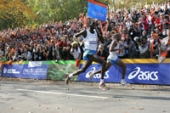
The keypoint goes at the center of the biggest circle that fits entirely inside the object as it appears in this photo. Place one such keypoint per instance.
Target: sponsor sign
(112, 75)
(135, 73)
(39, 72)
(23, 71)
(148, 73)
(11, 70)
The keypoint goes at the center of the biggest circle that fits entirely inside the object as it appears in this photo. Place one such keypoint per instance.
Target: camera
(137, 39)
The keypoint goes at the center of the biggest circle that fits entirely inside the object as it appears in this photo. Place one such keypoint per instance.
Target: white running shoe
(91, 76)
(123, 82)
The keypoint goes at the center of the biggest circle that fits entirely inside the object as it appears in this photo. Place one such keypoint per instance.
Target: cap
(74, 43)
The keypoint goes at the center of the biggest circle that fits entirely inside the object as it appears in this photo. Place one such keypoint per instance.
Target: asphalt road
(25, 96)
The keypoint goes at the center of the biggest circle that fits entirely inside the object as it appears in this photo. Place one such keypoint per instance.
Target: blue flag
(97, 10)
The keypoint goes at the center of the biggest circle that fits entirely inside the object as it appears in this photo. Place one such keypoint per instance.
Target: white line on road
(58, 93)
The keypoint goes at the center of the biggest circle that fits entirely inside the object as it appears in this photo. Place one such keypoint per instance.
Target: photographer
(75, 50)
(143, 46)
(165, 26)
(165, 47)
(154, 44)
(64, 47)
(133, 31)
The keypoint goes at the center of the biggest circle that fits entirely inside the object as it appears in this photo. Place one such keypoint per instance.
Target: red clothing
(157, 21)
(62, 44)
(146, 25)
(153, 20)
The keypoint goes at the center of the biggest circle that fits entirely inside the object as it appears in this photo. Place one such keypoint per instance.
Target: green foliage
(18, 13)
(15, 13)
(128, 4)
(56, 10)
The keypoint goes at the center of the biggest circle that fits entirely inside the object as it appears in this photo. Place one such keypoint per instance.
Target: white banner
(34, 63)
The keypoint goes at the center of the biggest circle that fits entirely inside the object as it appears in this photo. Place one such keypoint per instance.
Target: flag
(97, 10)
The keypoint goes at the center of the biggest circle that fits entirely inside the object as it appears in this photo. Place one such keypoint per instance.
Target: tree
(15, 13)
(58, 10)
(128, 4)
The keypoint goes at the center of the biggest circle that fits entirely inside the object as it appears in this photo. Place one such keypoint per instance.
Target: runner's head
(117, 36)
(92, 24)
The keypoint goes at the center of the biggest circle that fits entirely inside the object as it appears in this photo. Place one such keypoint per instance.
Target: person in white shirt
(75, 50)
(128, 23)
(92, 36)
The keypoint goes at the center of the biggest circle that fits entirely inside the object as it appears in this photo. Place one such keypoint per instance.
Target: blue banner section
(97, 11)
(23, 71)
(112, 75)
(148, 73)
(11, 70)
(136, 73)
(39, 72)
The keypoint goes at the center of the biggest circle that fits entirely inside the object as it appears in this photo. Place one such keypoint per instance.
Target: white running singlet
(91, 41)
(113, 55)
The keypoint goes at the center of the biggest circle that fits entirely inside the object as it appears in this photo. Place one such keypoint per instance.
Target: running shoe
(103, 87)
(91, 76)
(123, 82)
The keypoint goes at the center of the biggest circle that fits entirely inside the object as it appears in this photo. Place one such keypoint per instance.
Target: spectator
(63, 48)
(154, 45)
(75, 50)
(130, 49)
(53, 41)
(143, 46)
(101, 52)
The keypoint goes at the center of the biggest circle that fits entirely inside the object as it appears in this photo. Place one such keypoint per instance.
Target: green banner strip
(63, 62)
(66, 62)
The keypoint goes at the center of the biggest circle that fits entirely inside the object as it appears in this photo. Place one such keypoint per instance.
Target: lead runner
(92, 36)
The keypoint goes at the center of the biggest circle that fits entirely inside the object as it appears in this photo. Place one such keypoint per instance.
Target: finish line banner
(97, 10)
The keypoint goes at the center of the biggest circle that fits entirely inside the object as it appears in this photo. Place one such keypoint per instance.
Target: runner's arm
(100, 36)
(84, 33)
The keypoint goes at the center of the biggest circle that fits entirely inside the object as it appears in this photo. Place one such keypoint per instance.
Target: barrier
(139, 71)
(44, 70)
(25, 71)
(59, 70)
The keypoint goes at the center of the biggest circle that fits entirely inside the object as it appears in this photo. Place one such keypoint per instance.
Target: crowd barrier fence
(139, 71)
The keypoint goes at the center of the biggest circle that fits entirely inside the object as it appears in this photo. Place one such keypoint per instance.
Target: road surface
(33, 96)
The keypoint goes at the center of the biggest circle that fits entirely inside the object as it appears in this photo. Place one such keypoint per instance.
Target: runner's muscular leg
(97, 59)
(108, 65)
(83, 69)
(123, 66)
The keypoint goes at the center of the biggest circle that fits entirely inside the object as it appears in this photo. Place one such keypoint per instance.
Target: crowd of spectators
(145, 34)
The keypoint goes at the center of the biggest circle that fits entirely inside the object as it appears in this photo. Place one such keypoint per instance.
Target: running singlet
(91, 41)
(113, 55)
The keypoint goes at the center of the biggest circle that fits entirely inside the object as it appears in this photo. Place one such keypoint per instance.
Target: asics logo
(143, 75)
(92, 70)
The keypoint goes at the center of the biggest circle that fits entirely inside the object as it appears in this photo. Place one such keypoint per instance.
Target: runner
(92, 36)
(113, 58)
